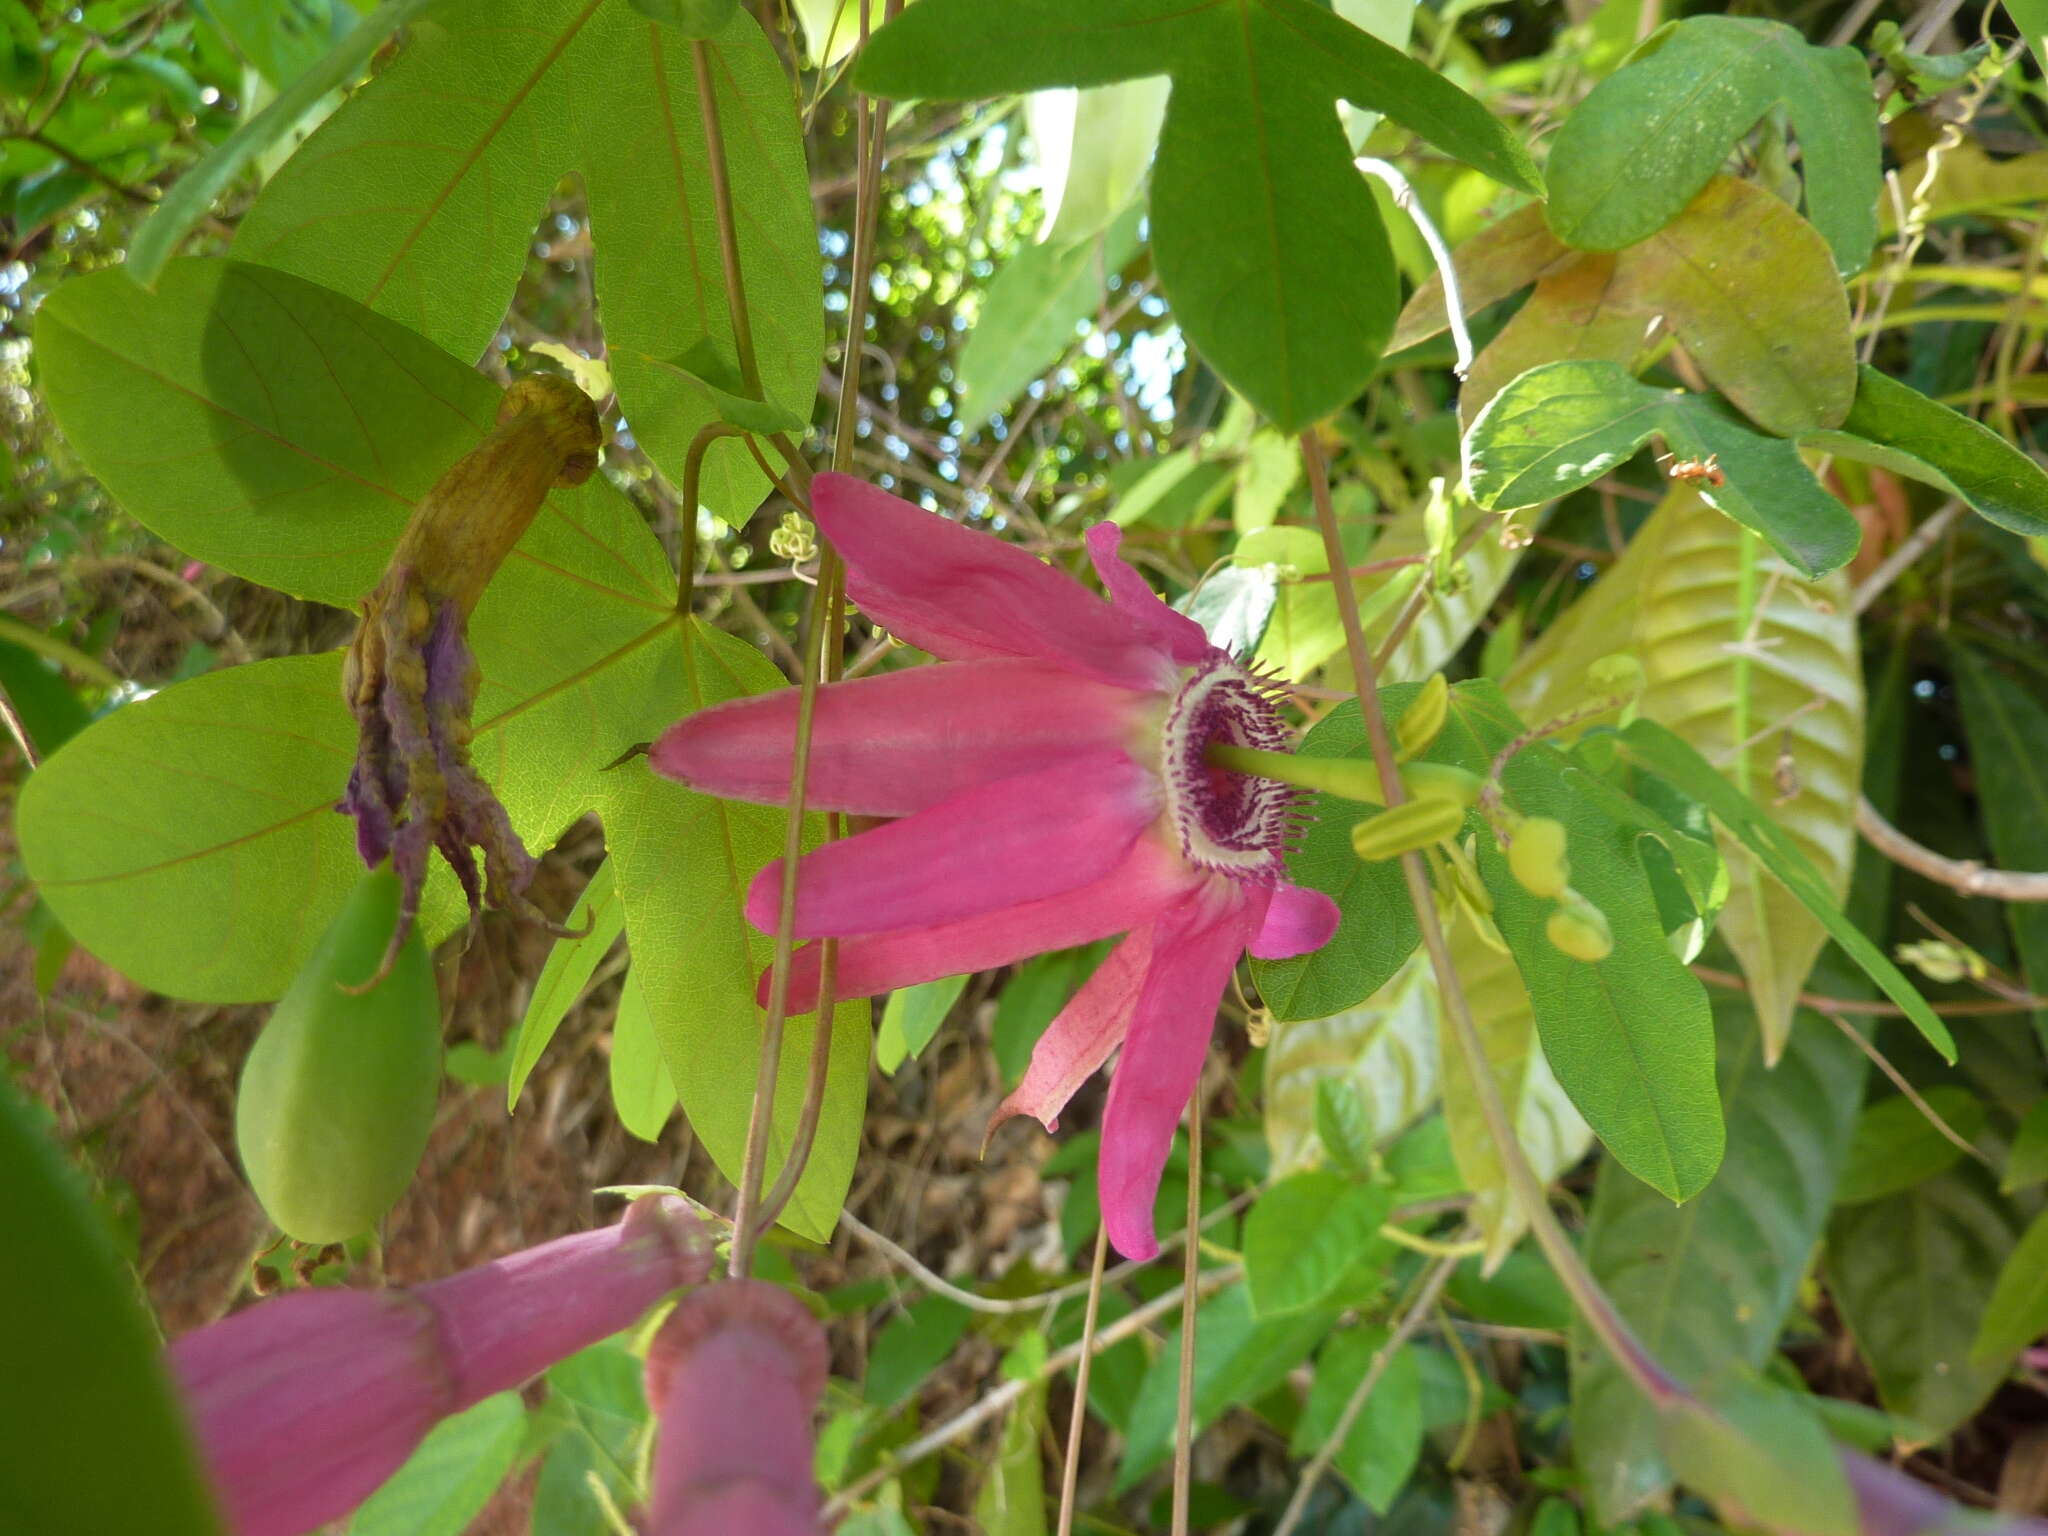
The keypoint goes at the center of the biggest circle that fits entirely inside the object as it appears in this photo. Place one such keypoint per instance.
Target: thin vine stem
(693, 480)
(1184, 1406)
(1077, 1419)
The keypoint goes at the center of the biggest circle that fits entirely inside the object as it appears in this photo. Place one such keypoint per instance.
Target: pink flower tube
(734, 1376)
(304, 1405)
(1050, 789)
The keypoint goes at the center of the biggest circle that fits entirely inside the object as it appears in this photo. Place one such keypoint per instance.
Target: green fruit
(338, 1094)
(1580, 930)
(1442, 781)
(1536, 857)
(1424, 718)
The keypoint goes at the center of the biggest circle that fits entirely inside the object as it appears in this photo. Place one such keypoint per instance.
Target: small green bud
(1442, 781)
(1536, 857)
(1620, 674)
(1406, 827)
(1424, 718)
(1580, 930)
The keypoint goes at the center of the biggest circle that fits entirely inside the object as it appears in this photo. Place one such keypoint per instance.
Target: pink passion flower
(1047, 787)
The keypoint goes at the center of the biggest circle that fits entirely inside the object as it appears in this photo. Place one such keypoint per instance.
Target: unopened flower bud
(1406, 827)
(304, 1404)
(1579, 929)
(1536, 857)
(1424, 719)
(1442, 781)
(734, 1377)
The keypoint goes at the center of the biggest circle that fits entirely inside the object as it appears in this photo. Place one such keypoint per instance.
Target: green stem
(728, 229)
(693, 477)
(62, 652)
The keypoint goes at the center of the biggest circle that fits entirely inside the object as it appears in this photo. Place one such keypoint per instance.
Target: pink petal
(505, 1322)
(989, 847)
(734, 1375)
(1298, 921)
(1194, 949)
(1150, 879)
(1175, 633)
(961, 594)
(894, 744)
(1079, 1041)
(304, 1404)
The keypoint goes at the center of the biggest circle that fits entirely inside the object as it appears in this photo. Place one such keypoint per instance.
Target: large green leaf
(1647, 139)
(440, 168)
(1031, 311)
(1384, 1050)
(1629, 1036)
(1894, 425)
(1748, 668)
(1913, 1276)
(1560, 427)
(1747, 287)
(1306, 1234)
(85, 1378)
(643, 1097)
(699, 974)
(1571, 314)
(1709, 1284)
(1254, 200)
(2008, 730)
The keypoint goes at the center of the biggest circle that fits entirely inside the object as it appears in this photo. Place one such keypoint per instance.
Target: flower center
(1233, 823)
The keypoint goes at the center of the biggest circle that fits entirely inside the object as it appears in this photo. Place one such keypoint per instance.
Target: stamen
(1231, 822)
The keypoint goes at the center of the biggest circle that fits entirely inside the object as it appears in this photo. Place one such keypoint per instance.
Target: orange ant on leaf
(1706, 471)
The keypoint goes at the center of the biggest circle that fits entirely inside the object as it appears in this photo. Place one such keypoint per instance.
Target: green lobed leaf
(1238, 1358)
(442, 165)
(1306, 1234)
(1913, 1275)
(1253, 192)
(1896, 1146)
(1343, 1124)
(1560, 427)
(2017, 1313)
(1650, 136)
(1031, 312)
(285, 434)
(1895, 426)
(305, 81)
(446, 1482)
(1709, 1284)
(84, 1370)
(1385, 1441)
(567, 971)
(1754, 673)
(643, 1097)
(684, 863)
(1674, 759)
